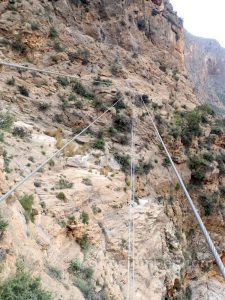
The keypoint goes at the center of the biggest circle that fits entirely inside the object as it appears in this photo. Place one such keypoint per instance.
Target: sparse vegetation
(87, 181)
(144, 167)
(166, 162)
(53, 34)
(122, 123)
(95, 209)
(84, 242)
(23, 90)
(22, 286)
(43, 106)
(27, 201)
(84, 217)
(55, 272)
(18, 45)
(123, 160)
(20, 132)
(11, 81)
(2, 137)
(64, 184)
(82, 54)
(7, 160)
(63, 81)
(6, 121)
(208, 202)
(120, 104)
(78, 105)
(99, 81)
(35, 26)
(81, 90)
(58, 47)
(116, 68)
(199, 166)
(61, 196)
(3, 225)
(99, 144)
(83, 277)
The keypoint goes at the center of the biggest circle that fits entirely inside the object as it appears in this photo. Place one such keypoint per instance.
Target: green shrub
(11, 81)
(175, 131)
(63, 81)
(99, 144)
(206, 109)
(166, 162)
(208, 156)
(27, 201)
(58, 47)
(23, 90)
(99, 81)
(120, 104)
(7, 160)
(199, 166)
(116, 68)
(61, 196)
(22, 286)
(84, 242)
(42, 106)
(79, 104)
(208, 203)
(18, 45)
(64, 184)
(85, 287)
(83, 277)
(81, 90)
(35, 26)
(98, 104)
(84, 217)
(122, 123)
(72, 97)
(87, 181)
(20, 132)
(222, 190)
(123, 160)
(58, 118)
(55, 272)
(3, 225)
(95, 209)
(82, 54)
(144, 168)
(217, 131)
(2, 137)
(6, 121)
(53, 34)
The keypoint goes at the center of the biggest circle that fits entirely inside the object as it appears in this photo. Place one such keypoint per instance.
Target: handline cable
(197, 216)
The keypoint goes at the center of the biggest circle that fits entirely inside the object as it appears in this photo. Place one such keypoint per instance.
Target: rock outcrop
(206, 69)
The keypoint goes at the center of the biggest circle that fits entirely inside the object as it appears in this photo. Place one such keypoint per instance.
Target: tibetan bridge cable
(21, 67)
(131, 231)
(194, 210)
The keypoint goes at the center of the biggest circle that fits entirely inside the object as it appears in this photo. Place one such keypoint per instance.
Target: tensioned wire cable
(16, 186)
(194, 210)
(131, 237)
(21, 67)
(133, 203)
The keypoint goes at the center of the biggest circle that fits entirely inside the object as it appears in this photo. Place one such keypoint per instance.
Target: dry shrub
(69, 150)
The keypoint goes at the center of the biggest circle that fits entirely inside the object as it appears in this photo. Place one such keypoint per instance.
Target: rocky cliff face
(69, 224)
(205, 60)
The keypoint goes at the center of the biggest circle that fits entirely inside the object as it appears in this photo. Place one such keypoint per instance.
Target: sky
(204, 18)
